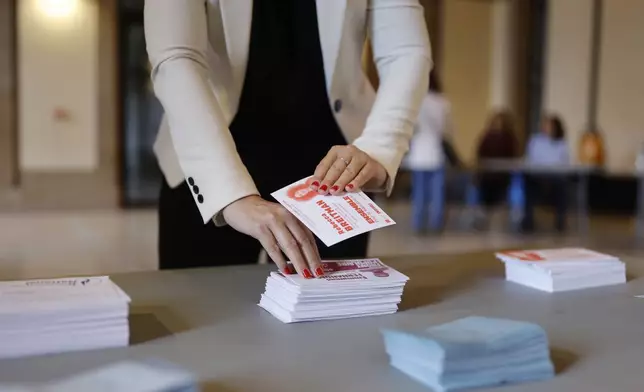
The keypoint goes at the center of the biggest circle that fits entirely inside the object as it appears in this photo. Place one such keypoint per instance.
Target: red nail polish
(319, 271)
(315, 184)
(323, 188)
(307, 274)
(350, 186)
(335, 188)
(290, 270)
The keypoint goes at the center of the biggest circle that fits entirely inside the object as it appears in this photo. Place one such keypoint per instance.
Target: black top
(284, 124)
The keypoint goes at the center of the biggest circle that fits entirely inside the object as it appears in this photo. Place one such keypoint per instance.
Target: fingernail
(350, 186)
(290, 270)
(315, 184)
(323, 188)
(307, 274)
(319, 271)
(335, 188)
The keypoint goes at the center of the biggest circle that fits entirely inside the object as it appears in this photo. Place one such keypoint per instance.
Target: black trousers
(185, 242)
(493, 188)
(551, 189)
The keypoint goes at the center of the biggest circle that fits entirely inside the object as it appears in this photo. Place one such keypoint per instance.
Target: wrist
(379, 181)
(382, 177)
(221, 216)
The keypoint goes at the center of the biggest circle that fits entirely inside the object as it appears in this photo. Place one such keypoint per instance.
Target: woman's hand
(347, 169)
(278, 231)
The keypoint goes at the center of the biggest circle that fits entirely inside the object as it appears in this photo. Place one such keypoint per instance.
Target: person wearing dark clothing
(497, 142)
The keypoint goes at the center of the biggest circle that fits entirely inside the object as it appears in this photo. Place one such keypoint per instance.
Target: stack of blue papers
(472, 352)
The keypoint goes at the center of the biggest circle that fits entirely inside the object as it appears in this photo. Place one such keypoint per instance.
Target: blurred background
(79, 182)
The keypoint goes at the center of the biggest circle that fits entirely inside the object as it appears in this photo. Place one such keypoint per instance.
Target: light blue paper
(472, 352)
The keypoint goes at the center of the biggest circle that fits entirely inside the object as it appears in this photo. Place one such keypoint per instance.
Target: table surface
(207, 320)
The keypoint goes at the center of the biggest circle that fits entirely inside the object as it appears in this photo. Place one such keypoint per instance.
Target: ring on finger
(345, 160)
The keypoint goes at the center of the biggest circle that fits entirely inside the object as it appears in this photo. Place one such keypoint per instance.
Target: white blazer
(434, 122)
(199, 49)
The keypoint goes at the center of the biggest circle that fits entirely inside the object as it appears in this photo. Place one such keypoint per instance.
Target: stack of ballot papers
(352, 288)
(57, 315)
(566, 269)
(473, 352)
(127, 376)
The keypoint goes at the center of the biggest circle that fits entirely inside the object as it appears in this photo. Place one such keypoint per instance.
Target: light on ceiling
(58, 8)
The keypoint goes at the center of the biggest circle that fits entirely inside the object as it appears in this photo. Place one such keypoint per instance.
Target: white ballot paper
(351, 288)
(56, 315)
(332, 219)
(554, 270)
(48, 294)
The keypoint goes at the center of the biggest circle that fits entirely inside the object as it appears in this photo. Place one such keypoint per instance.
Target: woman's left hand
(347, 169)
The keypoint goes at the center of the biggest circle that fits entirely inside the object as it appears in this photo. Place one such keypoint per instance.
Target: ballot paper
(350, 288)
(332, 218)
(56, 315)
(564, 269)
(472, 352)
(130, 376)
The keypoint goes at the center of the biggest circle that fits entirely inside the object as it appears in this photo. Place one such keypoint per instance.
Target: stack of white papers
(352, 288)
(473, 352)
(57, 315)
(562, 269)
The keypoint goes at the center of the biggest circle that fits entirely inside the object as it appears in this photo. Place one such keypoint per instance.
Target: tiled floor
(41, 244)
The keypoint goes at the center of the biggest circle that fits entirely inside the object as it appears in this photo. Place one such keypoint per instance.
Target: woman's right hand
(278, 231)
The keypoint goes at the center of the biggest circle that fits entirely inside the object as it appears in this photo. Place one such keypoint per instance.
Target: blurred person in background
(548, 147)
(498, 141)
(260, 94)
(426, 159)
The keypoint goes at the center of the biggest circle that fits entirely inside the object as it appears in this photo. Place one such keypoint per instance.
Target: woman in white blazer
(426, 159)
(259, 94)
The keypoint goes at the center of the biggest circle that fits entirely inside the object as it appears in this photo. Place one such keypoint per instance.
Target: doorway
(141, 111)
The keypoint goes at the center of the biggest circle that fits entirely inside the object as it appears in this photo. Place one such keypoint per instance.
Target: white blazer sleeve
(177, 40)
(402, 56)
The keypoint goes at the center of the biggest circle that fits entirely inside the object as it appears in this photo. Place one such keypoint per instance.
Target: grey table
(207, 321)
(581, 172)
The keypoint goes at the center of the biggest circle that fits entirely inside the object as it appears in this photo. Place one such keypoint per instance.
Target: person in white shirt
(426, 159)
(259, 94)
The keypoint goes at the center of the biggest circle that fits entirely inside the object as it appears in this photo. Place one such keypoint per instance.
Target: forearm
(402, 56)
(390, 126)
(176, 34)
(204, 146)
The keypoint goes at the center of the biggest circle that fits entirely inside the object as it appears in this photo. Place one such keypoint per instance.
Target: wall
(621, 82)
(58, 68)
(7, 94)
(502, 72)
(466, 68)
(567, 70)
(68, 63)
